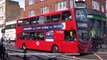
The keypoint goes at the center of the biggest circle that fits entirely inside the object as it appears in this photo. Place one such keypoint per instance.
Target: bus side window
(33, 20)
(56, 18)
(32, 35)
(41, 19)
(70, 35)
(66, 15)
(20, 22)
(48, 19)
(40, 35)
(25, 22)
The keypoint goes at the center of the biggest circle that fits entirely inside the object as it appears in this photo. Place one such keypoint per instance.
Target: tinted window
(56, 18)
(70, 35)
(81, 15)
(25, 36)
(48, 19)
(25, 22)
(66, 16)
(82, 26)
(32, 35)
(40, 35)
(33, 20)
(20, 23)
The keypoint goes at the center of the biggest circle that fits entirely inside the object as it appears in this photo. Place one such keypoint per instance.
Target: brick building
(95, 9)
(9, 10)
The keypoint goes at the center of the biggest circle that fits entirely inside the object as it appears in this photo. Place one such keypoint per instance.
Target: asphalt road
(100, 55)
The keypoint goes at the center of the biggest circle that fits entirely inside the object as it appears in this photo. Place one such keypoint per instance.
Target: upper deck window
(25, 22)
(41, 19)
(48, 19)
(33, 20)
(20, 22)
(81, 15)
(56, 18)
(66, 15)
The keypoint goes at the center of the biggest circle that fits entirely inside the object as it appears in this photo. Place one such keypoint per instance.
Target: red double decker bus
(61, 31)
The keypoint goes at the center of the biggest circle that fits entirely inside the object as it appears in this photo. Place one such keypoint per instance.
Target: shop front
(97, 22)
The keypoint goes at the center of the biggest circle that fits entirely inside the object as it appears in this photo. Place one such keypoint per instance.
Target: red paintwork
(68, 47)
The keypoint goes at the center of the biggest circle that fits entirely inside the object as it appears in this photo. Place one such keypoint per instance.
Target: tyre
(24, 46)
(55, 49)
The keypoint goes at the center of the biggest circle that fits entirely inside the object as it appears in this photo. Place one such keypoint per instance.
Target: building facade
(95, 10)
(9, 10)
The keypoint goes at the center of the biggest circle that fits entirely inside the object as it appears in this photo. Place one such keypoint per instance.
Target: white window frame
(77, 1)
(42, 0)
(32, 13)
(102, 8)
(61, 6)
(44, 9)
(106, 4)
(95, 5)
(31, 2)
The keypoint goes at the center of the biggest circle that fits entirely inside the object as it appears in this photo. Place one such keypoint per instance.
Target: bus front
(84, 36)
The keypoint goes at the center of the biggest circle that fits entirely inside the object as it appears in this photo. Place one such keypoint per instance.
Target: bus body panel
(58, 33)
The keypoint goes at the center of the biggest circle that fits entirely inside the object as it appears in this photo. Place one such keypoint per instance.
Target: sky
(21, 2)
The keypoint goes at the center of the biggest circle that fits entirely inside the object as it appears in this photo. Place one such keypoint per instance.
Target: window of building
(71, 3)
(66, 15)
(42, 0)
(31, 2)
(1, 9)
(60, 6)
(1, 18)
(32, 35)
(40, 35)
(106, 4)
(31, 13)
(56, 18)
(33, 20)
(41, 19)
(45, 9)
(102, 8)
(95, 5)
(80, 3)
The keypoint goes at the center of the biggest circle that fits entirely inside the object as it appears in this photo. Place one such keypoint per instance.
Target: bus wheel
(24, 46)
(55, 49)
